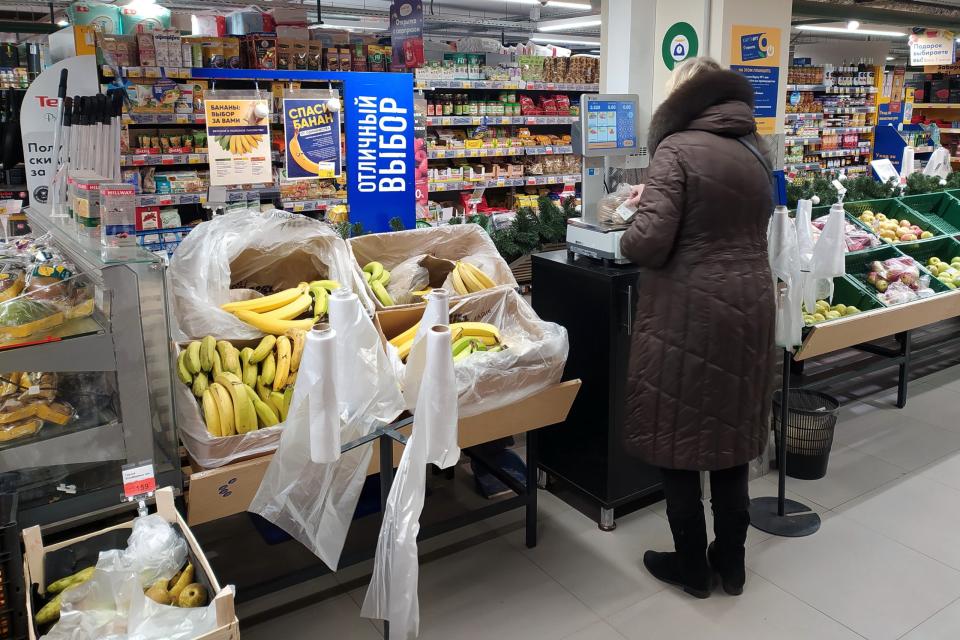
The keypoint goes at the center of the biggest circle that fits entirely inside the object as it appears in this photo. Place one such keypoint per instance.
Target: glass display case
(85, 373)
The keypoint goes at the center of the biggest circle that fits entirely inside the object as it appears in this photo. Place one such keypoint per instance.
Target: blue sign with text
(766, 88)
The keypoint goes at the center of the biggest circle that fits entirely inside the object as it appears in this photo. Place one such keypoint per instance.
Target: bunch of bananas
(246, 389)
(378, 278)
(276, 314)
(238, 145)
(467, 278)
(465, 338)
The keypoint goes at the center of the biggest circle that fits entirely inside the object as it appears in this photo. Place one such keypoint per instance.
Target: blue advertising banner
(379, 121)
(312, 133)
(766, 88)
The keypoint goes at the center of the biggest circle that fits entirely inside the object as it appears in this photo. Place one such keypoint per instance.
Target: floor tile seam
(936, 613)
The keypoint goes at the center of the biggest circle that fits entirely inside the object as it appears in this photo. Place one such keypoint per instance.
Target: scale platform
(596, 240)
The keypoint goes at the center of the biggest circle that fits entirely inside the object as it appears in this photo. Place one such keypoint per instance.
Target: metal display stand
(127, 335)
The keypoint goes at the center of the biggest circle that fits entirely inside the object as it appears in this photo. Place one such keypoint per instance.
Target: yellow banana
(485, 281)
(217, 365)
(193, 357)
(249, 369)
(458, 284)
(287, 397)
(299, 157)
(200, 384)
(224, 408)
(208, 347)
(375, 269)
(276, 401)
(227, 356)
(469, 281)
(403, 350)
(291, 379)
(244, 413)
(321, 301)
(265, 414)
(266, 303)
(182, 372)
(283, 363)
(381, 293)
(329, 285)
(263, 390)
(268, 370)
(273, 326)
(405, 336)
(292, 310)
(478, 329)
(263, 349)
(234, 145)
(299, 338)
(211, 414)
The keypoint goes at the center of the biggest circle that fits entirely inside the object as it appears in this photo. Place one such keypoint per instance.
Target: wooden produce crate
(228, 627)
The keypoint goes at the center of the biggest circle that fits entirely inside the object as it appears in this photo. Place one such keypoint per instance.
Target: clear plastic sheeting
(827, 261)
(314, 502)
(467, 242)
(315, 395)
(534, 357)
(112, 605)
(392, 594)
(784, 257)
(247, 249)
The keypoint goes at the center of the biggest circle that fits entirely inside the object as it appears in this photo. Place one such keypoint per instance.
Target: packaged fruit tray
(879, 216)
(848, 299)
(941, 257)
(858, 266)
(855, 234)
(942, 209)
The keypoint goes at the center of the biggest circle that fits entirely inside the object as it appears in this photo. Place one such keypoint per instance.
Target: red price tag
(138, 480)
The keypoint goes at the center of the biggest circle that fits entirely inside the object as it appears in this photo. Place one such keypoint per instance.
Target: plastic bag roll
(804, 233)
(314, 403)
(437, 312)
(827, 261)
(784, 259)
(315, 502)
(392, 594)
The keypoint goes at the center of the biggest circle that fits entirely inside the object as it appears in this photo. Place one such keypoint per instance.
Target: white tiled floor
(884, 565)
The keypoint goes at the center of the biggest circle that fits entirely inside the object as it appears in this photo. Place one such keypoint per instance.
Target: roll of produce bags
(224, 259)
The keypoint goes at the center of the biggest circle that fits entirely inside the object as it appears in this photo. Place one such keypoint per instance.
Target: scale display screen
(611, 124)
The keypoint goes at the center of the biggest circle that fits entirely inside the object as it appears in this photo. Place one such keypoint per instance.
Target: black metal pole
(782, 443)
(905, 348)
(386, 480)
(531, 512)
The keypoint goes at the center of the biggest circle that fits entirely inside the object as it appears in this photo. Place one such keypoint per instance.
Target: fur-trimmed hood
(720, 102)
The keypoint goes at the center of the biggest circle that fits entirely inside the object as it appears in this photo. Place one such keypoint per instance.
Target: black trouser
(728, 491)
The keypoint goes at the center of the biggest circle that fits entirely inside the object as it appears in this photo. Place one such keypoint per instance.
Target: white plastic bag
(784, 259)
(275, 249)
(437, 312)
(827, 261)
(805, 241)
(313, 407)
(112, 605)
(313, 502)
(938, 164)
(534, 359)
(392, 594)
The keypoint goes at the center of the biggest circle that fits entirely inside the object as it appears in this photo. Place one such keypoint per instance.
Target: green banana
(193, 357)
(268, 369)
(461, 344)
(70, 581)
(276, 401)
(200, 384)
(217, 367)
(384, 278)
(287, 397)
(263, 389)
(375, 269)
(381, 293)
(182, 372)
(265, 413)
(265, 347)
(249, 369)
(329, 285)
(208, 347)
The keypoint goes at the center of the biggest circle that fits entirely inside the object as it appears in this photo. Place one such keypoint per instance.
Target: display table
(595, 304)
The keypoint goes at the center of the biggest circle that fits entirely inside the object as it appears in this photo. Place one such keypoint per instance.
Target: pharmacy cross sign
(679, 43)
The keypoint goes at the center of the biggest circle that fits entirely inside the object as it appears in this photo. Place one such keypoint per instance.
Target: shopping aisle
(885, 564)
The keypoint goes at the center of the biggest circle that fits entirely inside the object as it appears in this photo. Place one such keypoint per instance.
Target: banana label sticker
(311, 128)
(238, 141)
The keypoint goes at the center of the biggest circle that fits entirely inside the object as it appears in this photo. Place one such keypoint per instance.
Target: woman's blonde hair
(688, 69)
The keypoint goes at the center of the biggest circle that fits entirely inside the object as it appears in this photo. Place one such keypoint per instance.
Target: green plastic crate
(858, 265)
(942, 209)
(944, 248)
(892, 208)
(846, 291)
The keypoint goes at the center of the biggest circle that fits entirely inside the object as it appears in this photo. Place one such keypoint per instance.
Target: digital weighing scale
(607, 136)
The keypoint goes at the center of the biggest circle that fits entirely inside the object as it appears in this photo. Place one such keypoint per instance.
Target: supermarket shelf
(848, 110)
(55, 445)
(801, 139)
(77, 345)
(833, 89)
(173, 199)
(505, 84)
(175, 118)
(924, 149)
(840, 153)
(446, 121)
(312, 205)
(850, 129)
(803, 166)
(806, 87)
(148, 72)
(150, 159)
(522, 181)
(439, 154)
(935, 105)
(815, 115)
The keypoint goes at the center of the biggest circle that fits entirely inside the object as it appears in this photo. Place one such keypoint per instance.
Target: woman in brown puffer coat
(699, 375)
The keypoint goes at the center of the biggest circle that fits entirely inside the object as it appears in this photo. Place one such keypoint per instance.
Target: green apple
(841, 308)
(956, 259)
(833, 315)
(933, 260)
(924, 235)
(851, 310)
(949, 285)
(808, 320)
(819, 317)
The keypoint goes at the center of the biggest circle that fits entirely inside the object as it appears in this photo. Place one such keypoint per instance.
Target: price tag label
(195, 158)
(298, 207)
(138, 480)
(151, 72)
(138, 161)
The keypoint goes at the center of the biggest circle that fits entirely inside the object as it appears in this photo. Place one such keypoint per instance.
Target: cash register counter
(585, 454)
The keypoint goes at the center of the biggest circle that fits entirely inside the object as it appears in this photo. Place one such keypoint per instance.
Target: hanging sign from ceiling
(932, 46)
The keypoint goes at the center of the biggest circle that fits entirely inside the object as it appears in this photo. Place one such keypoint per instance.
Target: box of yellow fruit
(848, 300)
(892, 221)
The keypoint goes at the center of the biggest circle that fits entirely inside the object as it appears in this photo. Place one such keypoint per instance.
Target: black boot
(686, 568)
(726, 553)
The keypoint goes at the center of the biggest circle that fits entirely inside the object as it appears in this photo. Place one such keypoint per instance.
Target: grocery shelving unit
(63, 474)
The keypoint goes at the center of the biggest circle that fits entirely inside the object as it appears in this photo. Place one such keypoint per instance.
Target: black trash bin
(811, 419)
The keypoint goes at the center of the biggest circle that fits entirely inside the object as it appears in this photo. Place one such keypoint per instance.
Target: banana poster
(238, 140)
(312, 133)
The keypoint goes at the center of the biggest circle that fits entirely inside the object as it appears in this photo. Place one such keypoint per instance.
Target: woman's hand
(634, 200)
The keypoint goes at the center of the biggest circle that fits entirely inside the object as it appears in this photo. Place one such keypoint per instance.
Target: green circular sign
(679, 43)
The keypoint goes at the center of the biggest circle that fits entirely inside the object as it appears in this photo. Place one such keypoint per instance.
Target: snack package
(609, 206)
